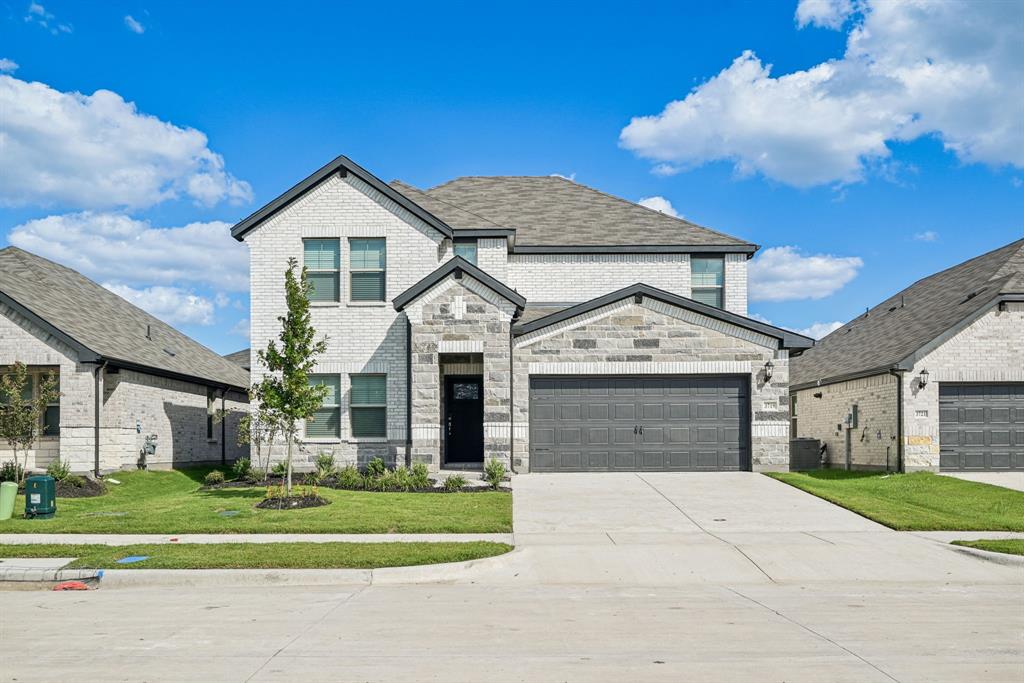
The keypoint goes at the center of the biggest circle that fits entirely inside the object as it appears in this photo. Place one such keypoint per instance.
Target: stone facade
(134, 405)
(653, 338)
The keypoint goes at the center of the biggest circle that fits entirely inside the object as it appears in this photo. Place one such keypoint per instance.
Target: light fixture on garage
(922, 379)
(769, 368)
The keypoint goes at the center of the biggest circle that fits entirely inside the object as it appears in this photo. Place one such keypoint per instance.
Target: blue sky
(865, 158)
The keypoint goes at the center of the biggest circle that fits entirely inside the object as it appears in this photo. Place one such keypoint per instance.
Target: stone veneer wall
(874, 442)
(626, 338)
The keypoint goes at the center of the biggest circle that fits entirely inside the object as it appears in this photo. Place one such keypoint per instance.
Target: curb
(989, 556)
(182, 539)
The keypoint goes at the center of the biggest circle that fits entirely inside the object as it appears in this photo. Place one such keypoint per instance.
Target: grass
(921, 501)
(170, 502)
(1010, 546)
(262, 555)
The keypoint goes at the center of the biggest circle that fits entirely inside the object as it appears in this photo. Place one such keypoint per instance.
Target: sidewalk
(134, 539)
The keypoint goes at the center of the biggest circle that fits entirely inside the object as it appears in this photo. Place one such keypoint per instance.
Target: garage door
(602, 424)
(981, 426)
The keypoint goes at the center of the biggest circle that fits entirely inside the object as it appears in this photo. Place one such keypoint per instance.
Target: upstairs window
(368, 269)
(466, 249)
(322, 259)
(211, 409)
(326, 420)
(368, 405)
(707, 280)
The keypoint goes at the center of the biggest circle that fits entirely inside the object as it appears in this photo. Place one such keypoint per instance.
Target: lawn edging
(987, 555)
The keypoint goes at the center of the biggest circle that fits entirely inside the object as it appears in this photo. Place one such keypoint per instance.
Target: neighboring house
(150, 378)
(930, 379)
(542, 323)
(240, 357)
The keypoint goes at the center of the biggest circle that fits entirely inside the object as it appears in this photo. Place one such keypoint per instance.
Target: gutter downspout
(98, 405)
(511, 400)
(408, 392)
(223, 427)
(898, 374)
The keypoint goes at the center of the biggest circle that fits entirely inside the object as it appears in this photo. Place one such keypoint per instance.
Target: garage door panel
(981, 426)
(591, 423)
(1000, 460)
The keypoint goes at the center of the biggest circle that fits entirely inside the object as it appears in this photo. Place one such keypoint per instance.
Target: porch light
(922, 379)
(769, 368)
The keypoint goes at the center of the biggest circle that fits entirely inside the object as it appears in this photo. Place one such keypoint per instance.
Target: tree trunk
(288, 465)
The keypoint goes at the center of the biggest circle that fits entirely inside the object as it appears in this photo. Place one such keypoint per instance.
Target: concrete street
(717, 577)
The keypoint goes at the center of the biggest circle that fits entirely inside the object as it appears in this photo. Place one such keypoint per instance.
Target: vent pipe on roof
(149, 332)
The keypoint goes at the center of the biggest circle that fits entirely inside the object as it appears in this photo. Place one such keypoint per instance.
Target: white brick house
(930, 379)
(150, 379)
(529, 319)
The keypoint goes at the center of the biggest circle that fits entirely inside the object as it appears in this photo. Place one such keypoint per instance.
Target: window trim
(334, 406)
(383, 270)
(463, 241)
(351, 405)
(336, 271)
(35, 375)
(720, 288)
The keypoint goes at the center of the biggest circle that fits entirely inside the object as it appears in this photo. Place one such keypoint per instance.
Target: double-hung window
(367, 269)
(368, 405)
(707, 279)
(792, 417)
(322, 259)
(211, 409)
(466, 249)
(326, 420)
(50, 419)
(51, 416)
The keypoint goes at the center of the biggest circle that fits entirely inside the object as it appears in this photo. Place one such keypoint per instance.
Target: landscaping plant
(376, 468)
(325, 465)
(419, 476)
(494, 472)
(11, 471)
(285, 389)
(256, 475)
(214, 478)
(58, 469)
(241, 469)
(21, 419)
(454, 483)
(349, 477)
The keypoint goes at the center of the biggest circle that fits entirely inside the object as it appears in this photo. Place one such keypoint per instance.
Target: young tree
(21, 416)
(258, 427)
(285, 390)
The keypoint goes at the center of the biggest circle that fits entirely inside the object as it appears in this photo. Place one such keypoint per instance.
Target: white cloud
(911, 69)
(926, 236)
(241, 328)
(783, 274)
(112, 247)
(824, 13)
(98, 151)
(819, 330)
(133, 25)
(37, 14)
(8, 66)
(659, 204)
(170, 304)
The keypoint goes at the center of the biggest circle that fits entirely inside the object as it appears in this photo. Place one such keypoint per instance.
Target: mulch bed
(89, 489)
(292, 503)
(332, 484)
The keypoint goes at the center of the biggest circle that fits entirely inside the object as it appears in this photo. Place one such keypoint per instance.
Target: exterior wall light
(769, 368)
(922, 379)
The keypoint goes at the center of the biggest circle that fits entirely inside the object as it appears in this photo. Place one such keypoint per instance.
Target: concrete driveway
(1009, 480)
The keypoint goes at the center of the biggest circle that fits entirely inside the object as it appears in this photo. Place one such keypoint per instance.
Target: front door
(464, 419)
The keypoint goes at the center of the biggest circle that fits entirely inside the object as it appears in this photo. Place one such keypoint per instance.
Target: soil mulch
(89, 489)
(292, 503)
(333, 484)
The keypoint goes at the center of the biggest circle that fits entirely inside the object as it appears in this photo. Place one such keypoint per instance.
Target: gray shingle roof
(106, 324)
(897, 328)
(554, 211)
(240, 358)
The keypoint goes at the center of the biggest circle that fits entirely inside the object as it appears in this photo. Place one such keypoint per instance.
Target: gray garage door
(981, 426)
(601, 424)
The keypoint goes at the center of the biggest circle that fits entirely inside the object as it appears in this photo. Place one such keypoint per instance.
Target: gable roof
(550, 213)
(239, 358)
(787, 339)
(102, 326)
(458, 266)
(340, 164)
(891, 334)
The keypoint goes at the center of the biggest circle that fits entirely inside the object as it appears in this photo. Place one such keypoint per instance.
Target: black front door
(464, 419)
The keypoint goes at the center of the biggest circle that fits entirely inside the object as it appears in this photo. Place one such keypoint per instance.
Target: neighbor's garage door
(981, 426)
(601, 424)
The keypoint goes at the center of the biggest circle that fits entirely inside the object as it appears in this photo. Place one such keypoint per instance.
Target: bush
(241, 468)
(349, 477)
(255, 475)
(401, 480)
(11, 471)
(454, 483)
(419, 477)
(214, 478)
(325, 465)
(58, 469)
(494, 472)
(73, 480)
(280, 469)
(376, 468)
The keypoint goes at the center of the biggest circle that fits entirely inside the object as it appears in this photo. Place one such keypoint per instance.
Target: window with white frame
(707, 280)
(322, 259)
(368, 406)
(326, 420)
(367, 269)
(466, 249)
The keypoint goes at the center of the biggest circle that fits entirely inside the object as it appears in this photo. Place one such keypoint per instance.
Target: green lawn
(171, 503)
(262, 555)
(921, 501)
(1010, 546)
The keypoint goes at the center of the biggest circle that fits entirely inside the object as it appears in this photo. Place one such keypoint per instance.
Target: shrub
(384, 482)
(11, 471)
(275, 492)
(214, 478)
(325, 465)
(241, 468)
(349, 477)
(419, 477)
(401, 480)
(58, 469)
(454, 483)
(73, 480)
(376, 468)
(314, 478)
(256, 474)
(494, 472)
(280, 469)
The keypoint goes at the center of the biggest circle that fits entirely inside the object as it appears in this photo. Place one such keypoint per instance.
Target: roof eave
(85, 354)
(748, 249)
(455, 266)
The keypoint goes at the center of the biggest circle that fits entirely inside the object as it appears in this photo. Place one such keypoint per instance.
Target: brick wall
(579, 277)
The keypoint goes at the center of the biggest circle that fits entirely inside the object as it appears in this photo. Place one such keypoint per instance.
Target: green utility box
(40, 497)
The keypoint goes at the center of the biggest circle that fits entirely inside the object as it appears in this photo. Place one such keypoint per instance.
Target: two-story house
(529, 319)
